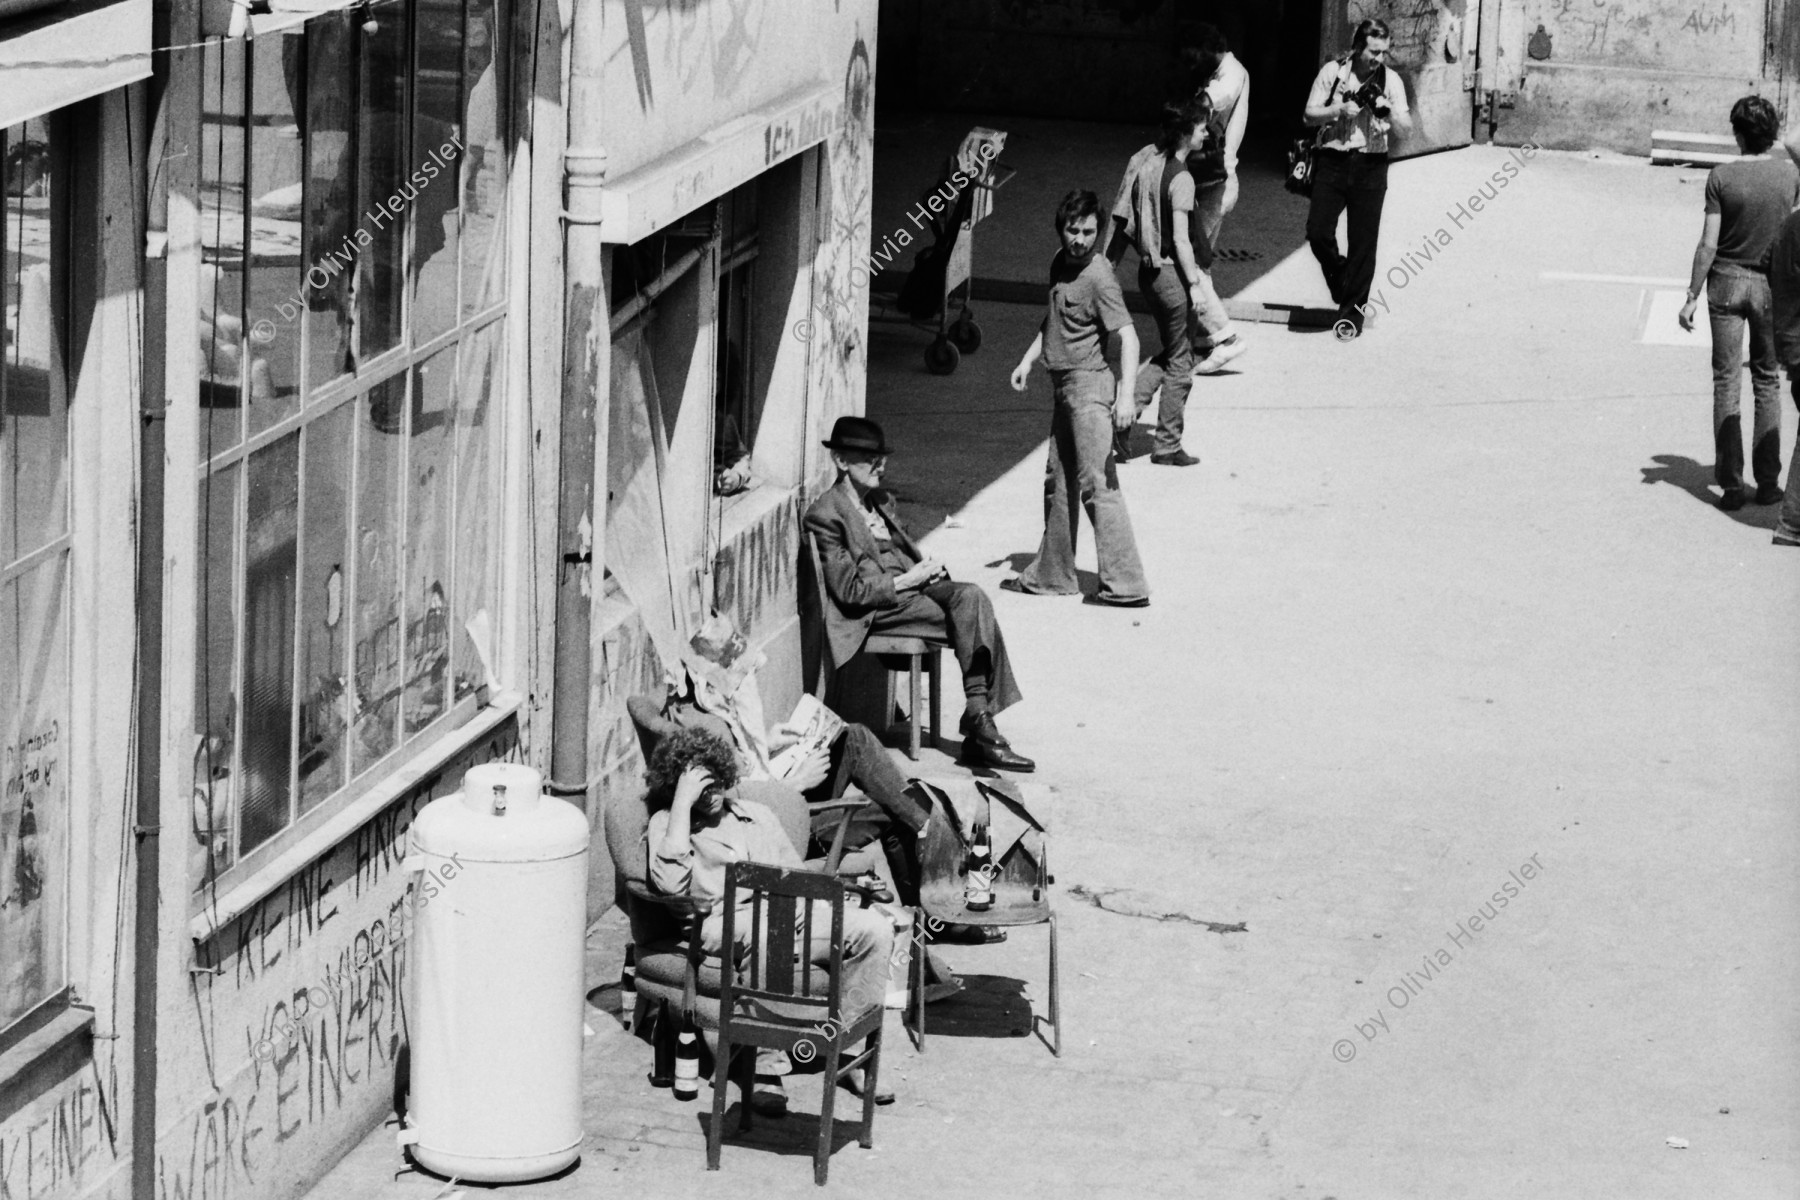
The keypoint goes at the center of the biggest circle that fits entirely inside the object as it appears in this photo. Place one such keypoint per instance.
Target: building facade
(287, 316)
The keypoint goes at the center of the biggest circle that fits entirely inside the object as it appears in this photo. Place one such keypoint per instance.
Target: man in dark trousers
(1360, 104)
(1087, 316)
(879, 582)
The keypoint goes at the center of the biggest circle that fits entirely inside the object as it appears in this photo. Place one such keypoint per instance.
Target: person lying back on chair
(698, 826)
(819, 755)
(879, 582)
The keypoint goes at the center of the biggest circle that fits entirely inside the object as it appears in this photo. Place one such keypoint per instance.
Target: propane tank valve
(499, 799)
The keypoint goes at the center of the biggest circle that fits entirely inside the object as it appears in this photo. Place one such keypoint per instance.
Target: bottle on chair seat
(978, 889)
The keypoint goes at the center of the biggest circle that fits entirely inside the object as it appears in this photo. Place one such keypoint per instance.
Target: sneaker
(1221, 354)
(1732, 500)
(1782, 539)
(1768, 493)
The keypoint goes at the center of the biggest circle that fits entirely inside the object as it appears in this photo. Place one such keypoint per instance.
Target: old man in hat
(880, 582)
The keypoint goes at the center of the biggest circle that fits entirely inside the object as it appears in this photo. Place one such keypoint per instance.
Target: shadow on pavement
(989, 1006)
(1697, 481)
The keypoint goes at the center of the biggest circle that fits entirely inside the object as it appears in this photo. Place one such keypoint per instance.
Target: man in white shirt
(1360, 104)
(1225, 82)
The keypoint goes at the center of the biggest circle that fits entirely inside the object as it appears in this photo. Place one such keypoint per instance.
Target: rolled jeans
(1080, 464)
(1787, 524)
(1736, 296)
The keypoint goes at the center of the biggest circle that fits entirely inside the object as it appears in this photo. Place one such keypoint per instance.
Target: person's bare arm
(1234, 132)
(1033, 352)
(672, 855)
(1704, 254)
(1185, 261)
(1792, 143)
(1122, 349)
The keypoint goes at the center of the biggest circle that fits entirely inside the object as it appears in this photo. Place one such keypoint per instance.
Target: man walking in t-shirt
(1746, 203)
(1087, 317)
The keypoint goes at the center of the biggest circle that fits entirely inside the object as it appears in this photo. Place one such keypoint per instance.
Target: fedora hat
(857, 433)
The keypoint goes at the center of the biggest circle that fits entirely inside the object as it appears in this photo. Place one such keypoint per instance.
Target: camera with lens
(1372, 95)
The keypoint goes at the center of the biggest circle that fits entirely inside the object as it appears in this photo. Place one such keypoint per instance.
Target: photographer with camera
(1358, 102)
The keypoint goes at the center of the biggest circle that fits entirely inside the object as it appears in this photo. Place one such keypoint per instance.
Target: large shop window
(352, 322)
(35, 856)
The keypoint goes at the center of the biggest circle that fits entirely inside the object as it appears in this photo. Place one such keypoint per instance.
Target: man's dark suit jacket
(858, 584)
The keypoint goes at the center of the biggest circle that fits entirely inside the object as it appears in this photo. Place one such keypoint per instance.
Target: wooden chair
(772, 1001)
(671, 965)
(889, 651)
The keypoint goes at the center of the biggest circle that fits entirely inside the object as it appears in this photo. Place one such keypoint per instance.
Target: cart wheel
(966, 335)
(942, 356)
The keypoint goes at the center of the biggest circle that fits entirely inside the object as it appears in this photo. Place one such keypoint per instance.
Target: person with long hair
(1153, 212)
(1217, 74)
(1361, 105)
(1087, 323)
(1746, 203)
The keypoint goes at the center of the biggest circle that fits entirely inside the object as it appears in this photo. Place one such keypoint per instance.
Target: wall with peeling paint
(1606, 73)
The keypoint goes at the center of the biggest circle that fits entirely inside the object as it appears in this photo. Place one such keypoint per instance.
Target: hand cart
(943, 271)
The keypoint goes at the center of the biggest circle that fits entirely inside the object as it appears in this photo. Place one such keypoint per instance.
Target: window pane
(222, 246)
(33, 397)
(437, 132)
(324, 635)
(34, 799)
(215, 721)
(273, 305)
(483, 171)
(271, 517)
(476, 499)
(330, 197)
(376, 618)
(428, 472)
(380, 171)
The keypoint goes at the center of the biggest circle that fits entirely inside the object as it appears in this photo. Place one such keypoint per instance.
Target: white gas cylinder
(495, 962)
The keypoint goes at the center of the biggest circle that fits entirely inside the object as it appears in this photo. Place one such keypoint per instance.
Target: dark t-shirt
(1784, 286)
(1753, 197)
(1085, 305)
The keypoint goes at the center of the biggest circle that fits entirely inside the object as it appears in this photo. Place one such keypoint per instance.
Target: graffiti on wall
(300, 1016)
(701, 41)
(756, 576)
(838, 299)
(1425, 31)
(62, 1139)
(1679, 34)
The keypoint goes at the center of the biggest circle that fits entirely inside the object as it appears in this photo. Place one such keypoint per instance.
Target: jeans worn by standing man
(1746, 203)
(1360, 104)
(1087, 317)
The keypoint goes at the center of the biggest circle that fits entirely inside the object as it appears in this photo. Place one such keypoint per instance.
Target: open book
(818, 727)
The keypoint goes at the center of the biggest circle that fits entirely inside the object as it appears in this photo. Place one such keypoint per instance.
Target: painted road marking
(1634, 280)
(1661, 328)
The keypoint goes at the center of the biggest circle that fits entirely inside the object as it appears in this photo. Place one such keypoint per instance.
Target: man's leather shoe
(1000, 758)
(1176, 458)
(1768, 493)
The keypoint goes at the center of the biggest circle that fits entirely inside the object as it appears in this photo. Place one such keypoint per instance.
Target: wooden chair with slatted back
(775, 999)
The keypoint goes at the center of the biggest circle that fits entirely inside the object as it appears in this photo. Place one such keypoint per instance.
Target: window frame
(64, 156)
(476, 334)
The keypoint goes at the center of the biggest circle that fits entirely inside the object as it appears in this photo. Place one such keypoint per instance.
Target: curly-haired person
(699, 825)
